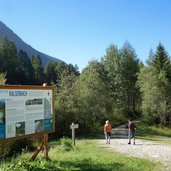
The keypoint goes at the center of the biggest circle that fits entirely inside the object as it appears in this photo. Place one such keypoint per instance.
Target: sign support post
(45, 144)
(73, 127)
(73, 136)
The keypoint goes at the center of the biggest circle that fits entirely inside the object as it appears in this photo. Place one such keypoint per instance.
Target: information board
(26, 110)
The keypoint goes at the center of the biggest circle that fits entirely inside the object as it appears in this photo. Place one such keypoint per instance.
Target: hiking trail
(152, 150)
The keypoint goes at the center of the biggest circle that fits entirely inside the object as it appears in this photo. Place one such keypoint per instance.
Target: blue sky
(77, 31)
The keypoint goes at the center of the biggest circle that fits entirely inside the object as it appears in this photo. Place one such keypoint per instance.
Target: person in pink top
(107, 131)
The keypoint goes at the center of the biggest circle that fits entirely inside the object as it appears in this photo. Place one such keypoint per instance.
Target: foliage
(66, 144)
(104, 90)
(25, 69)
(113, 88)
(50, 73)
(8, 60)
(122, 67)
(54, 70)
(112, 62)
(129, 71)
(19, 69)
(156, 94)
(65, 104)
(38, 69)
(16, 147)
(93, 99)
(154, 132)
(3, 78)
(161, 61)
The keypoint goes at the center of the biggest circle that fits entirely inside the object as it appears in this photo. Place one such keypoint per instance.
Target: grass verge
(154, 133)
(86, 156)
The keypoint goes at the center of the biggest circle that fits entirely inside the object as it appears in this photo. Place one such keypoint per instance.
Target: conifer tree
(8, 60)
(38, 69)
(26, 72)
(161, 61)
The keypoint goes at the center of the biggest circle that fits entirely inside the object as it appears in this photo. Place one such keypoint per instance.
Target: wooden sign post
(43, 145)
(73, 127)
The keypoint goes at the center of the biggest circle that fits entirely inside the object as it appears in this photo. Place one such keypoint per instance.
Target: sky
(78, 31)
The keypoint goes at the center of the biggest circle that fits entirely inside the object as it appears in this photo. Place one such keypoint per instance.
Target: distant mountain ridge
(20, 44)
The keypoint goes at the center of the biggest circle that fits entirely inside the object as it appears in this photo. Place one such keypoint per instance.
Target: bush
(66, 144)
(19, 146)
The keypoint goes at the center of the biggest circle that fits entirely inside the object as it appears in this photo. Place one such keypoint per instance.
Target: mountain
(20, 44)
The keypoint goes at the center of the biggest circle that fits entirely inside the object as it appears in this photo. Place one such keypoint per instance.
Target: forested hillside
(20, 44)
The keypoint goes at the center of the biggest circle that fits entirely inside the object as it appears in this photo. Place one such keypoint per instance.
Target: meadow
(87, 155)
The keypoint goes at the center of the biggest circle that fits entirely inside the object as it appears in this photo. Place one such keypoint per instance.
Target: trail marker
(73, 127)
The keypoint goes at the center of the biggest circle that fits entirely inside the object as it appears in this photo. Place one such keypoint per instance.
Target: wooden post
(36, 152)
(45, 144)
(73, 135)
(73, 127)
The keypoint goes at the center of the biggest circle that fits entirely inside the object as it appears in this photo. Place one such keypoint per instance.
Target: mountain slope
(20, 44)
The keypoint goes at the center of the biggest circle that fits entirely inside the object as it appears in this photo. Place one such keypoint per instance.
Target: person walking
(131, 131)
(107, 131)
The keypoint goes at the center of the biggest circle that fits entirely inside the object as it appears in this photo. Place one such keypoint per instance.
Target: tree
(50, 73)
(112, 63)
(65, 103)
(26, 72)
(161, 61)
(129, 70)
(54, 70)
(38, 69)
(155, 95)
(73, 69)
(122, 67)
(155, 87)
(8, 60)
(93, 99)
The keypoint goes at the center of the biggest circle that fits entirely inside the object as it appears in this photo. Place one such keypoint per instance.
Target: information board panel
(26, 110)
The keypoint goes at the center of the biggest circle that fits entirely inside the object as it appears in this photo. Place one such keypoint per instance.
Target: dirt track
(151, 150)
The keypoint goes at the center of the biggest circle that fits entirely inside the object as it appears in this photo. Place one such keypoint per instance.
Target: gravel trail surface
(152, 150)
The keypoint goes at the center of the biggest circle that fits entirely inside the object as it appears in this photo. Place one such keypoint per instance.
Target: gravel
(151, 150)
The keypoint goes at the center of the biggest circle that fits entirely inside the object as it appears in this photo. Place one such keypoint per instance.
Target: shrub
(66, 144)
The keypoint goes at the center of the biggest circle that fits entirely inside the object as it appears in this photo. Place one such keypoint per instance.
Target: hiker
(131, 131)
(107, 131)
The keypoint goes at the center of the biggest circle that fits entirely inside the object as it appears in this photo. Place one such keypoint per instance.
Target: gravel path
(151, 150)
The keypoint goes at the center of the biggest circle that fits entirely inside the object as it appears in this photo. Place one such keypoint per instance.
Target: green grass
(86, 156)
(154, 133)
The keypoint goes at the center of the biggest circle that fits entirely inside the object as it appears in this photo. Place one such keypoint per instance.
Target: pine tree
(26, 72)
(154, 82)
(38, 69)
(8, 60)
(50, 73)
(161, 61)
